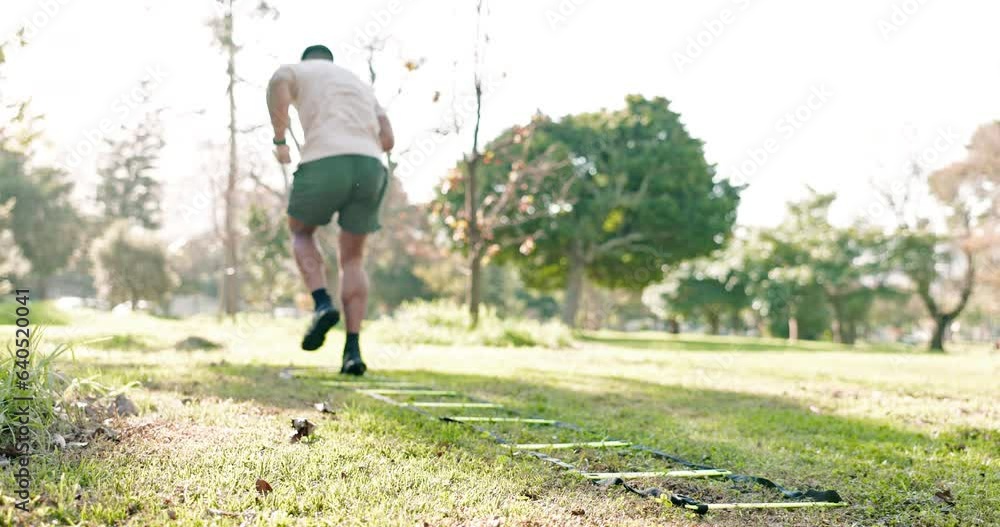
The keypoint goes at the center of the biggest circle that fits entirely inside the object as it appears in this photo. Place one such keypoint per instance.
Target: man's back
(338, 111)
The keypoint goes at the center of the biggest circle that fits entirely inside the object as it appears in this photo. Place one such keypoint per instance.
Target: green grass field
(886, 427)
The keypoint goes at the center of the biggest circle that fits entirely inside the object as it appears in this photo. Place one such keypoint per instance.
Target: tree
(403, 243)
(40, 218)
(781, 281)
(471, 163)
(941, 267)
(847, 264)
(12, 262)
(637, 196)
(267, 259)
(45, 225)
(705, 290)
(224, 29)
(127, 190)
(130, 265)
(526, 176)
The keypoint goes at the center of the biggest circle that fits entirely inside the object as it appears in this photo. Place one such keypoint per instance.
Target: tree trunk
(230, 272)
(850, 333)
(574, 288)
(793, 329)
(674, 327)
(713, 323)
(839, 325)
(941, 324)
(475, 287)
(41, 290)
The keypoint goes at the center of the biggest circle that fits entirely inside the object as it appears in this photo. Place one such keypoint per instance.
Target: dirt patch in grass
(158, 431)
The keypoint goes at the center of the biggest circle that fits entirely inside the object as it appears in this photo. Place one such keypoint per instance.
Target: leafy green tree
(269, 277)
(196, 262)
(130, 265)
(600, 196)
(711, 290)
(40, 218)
(848, 264)
(127, 190)
(780, 278)
(12, 262)
(45, 225)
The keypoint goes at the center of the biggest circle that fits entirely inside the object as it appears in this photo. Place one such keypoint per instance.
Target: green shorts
(351, 185)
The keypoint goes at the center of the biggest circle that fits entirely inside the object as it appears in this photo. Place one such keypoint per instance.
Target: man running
(346, 132)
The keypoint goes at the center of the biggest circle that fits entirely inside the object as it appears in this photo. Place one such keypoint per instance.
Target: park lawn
(886, 429)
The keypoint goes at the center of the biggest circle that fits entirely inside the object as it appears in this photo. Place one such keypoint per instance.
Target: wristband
(279, 142)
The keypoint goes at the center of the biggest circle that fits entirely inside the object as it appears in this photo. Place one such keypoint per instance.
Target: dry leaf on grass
(578, 512)
(323, 408)
(263, 487)
(303, 428)
(945, 496)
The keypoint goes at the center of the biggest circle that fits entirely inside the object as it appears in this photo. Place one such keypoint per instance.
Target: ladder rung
(398, 391)
(660, 474)
(436, 404)
(479, 419)
(559, 446)
(366, 384)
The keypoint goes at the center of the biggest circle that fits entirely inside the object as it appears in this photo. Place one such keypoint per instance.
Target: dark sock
(351, 346)
(322, 299)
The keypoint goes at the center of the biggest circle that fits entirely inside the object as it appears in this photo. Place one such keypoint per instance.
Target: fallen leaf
(104, 430)
(945, 496)
(303, 428)
(323, 408)
(578, 512)
(343, 475)
(171, 514)
(264, 487)
(124, 406)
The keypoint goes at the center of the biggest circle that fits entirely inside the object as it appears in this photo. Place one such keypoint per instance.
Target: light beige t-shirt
(338, 111)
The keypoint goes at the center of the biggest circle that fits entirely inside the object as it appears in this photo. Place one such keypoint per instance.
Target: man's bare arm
(385, 135)
(279, 97)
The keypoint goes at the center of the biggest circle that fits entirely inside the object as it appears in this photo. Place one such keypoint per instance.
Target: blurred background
(784, 169)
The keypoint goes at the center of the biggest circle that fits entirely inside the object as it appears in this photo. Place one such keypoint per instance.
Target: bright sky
(784, 93)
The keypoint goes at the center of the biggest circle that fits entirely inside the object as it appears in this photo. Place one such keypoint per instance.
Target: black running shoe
(353, 365)
(322, 321)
